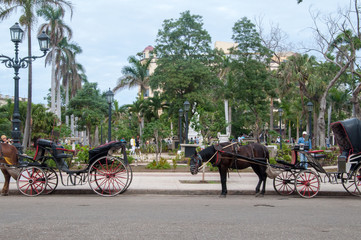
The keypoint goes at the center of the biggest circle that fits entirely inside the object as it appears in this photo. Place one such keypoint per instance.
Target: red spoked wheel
(52, 178)
(32, 181)
(307, 184)
(284, 183)
(108, 176)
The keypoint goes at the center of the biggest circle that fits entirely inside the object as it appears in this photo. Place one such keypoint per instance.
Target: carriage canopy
(348, 135)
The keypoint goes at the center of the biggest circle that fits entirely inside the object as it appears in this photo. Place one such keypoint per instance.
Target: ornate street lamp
(280, 111)
(110, 97)
(310, 108)
(186, 109)
(180, 114)
(16, 34)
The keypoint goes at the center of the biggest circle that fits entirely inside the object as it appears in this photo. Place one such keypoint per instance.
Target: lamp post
(310, 108)
(180, 114)
(186, 109)
(16, 63)
(110, 98)
(280, 111)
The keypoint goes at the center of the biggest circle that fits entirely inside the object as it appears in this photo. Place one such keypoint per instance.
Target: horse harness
(219, 149)
(236, 157)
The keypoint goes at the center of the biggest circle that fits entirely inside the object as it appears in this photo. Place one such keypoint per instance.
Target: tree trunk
(67, 102)
(58, 101)
(355, 102)
(289, 131)
(156, 145)
(53, 80)
(298, 130)
(329, 122)
(321, 115)
(96, 136)
(27, 130)
(271, 115)
(88, 134)
(72, 125)
(230, 119)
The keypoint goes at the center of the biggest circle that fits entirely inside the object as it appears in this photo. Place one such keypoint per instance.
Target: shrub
(130, 159)
(161, 164)
(83, 153)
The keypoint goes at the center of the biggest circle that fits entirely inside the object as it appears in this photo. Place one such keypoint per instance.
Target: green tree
(183, 67)
(250, 78)
(43, 122)
(157, 129)
(89, 106)
(137, 74)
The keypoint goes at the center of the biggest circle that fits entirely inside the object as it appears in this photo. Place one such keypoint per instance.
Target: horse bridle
(199, 161)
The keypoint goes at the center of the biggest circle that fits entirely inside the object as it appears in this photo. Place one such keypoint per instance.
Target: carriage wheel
(307, 184)
(31, 181)
(357, 180)
(52, 181)
(108, 176)
(284, 183)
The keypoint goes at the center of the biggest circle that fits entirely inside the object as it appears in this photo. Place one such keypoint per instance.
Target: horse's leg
(223, 174)
(5, 190)
(264, 179)
(257, 169)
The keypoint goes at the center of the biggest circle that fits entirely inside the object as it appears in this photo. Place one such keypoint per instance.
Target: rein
(204, 164)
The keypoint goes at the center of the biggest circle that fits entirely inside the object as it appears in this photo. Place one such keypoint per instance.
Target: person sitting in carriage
(302, 140)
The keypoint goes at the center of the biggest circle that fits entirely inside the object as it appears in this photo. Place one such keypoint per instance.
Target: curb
(181, 192)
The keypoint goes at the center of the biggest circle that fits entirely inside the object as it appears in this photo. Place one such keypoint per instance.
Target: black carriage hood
(348, 135)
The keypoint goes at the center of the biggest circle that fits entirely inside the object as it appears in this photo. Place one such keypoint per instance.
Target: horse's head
(195, 163)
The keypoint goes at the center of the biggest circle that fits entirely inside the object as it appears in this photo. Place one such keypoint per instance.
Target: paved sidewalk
(182, 183)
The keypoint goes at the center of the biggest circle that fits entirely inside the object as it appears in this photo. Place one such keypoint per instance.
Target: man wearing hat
(302, 140)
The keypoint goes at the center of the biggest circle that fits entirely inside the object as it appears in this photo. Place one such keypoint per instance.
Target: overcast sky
(109, 31)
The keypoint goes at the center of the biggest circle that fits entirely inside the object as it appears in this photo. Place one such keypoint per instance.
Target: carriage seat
(102, 150)
(316, 154)
(45, 143)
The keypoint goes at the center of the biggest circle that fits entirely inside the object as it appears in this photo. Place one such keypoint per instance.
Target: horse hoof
(222, 196)
(4, 194)
(259, 195)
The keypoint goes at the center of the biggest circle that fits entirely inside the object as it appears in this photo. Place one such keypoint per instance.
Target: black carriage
(106, 173)
(306, 182)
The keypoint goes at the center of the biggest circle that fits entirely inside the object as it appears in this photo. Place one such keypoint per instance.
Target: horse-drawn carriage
(293, 177)
(307, 181)
(107, 174)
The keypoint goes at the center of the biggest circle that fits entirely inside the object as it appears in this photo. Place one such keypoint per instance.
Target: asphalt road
(179, 217)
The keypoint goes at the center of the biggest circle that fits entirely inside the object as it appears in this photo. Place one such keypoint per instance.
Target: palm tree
(27, 19)
(137, 74)
(57, 31)
(67, 69)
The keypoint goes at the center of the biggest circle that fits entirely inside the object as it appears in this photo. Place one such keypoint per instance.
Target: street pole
(186, 109)
(110, 97)
(280, 115)
(16, 63)
(310, 108)
(180, 113)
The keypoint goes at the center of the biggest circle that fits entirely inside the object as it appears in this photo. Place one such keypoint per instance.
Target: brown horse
(223, 158)
(8, 156)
